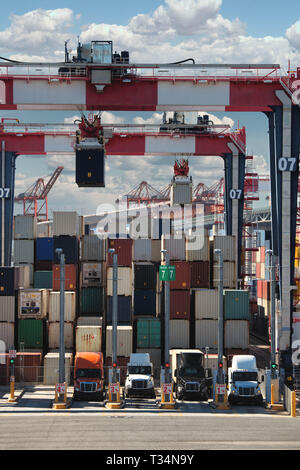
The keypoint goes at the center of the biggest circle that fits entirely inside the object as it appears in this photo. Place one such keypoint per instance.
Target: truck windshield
(244, 376)
(143, 370)
(88, 373)
(191, 372)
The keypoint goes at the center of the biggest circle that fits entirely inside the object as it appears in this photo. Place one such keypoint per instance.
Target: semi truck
(191, 380)
(139, 379)
(89, 376)
(243, 380)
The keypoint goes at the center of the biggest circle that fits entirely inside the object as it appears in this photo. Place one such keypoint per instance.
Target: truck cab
(243, 380)
(89, 376)
(139, 379)
(189, 376)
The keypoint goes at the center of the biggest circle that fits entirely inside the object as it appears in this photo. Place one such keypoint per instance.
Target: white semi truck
(243, 380)
(139, 378)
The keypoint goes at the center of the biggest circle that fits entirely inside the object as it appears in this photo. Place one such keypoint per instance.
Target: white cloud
(293, 35)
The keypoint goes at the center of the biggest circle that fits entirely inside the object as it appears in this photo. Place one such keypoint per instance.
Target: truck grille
(139, 384)
(192, 387)
(88, 387)
(246, 391)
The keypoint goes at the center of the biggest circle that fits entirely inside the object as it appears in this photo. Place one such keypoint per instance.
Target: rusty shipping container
(70, 277)
(180, 304)
(183, 275)
(28, 367)
(88, 339)
(123, 248)
(200, 274)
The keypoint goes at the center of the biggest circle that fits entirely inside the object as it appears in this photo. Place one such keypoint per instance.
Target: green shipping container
(43, 279)
(236, 305)
(91, 300)
(148, 333)
(31, 333)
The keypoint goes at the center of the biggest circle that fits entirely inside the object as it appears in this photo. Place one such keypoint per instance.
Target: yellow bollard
(12, 391)
(272, 394)
(293, 405)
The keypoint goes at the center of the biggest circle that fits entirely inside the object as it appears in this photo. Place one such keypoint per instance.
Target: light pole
(61, 256)
(114, 314)
(167, 319)
(220, 376)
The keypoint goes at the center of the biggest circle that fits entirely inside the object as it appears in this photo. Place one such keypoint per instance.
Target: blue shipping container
(124, 310)
(44, 249)
(144, 302)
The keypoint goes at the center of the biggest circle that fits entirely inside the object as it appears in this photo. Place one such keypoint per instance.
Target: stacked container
(206, 303)
(227, 245)
(7, 308)
(54, 319)
(32, 318)
(25, 231)
(236, 316)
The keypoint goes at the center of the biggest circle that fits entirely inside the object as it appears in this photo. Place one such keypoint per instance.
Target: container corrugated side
(51, 368)
(142, 249)
(144, 275)
(124, 342)
(25, 227)
(28, 367)
(175, 248)
(156, 254)
(54, 335)
(88, 339)
(7, 309)
(7, 335)
(23, 276)
(227, 244)
(206, 334)
(179, 334)
(66, 223)
(92, 300)
(92, 248)
(236, 334)
(31, 333)
(236, 305)
(44, 249)
(89, 321)
(229, 275)
(23, 252)
(181, 193)
(54, 306)
(45, 229)
(148, 333)
(43, 280)
(206, 304)
(7, 281)
(197, 248)
(33, 303)
(124, 281)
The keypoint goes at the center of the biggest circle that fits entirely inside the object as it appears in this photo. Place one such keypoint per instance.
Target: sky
(153, 31)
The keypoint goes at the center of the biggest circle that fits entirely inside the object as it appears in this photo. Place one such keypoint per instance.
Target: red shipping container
(262, 254)
(260, 289)
(121, 363)
(258, 270)
(266, 290)
(180, 304)
(28, 367)
(200, 274)
(183, 275)
(4, 369)
(70, 277)
(123, 248)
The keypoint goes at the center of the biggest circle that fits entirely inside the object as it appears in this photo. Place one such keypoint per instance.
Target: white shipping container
(7, 309)
(25, 227)
(206, 334)
(54, 306)
(229, 275)
(181, 192)
(179, 333)
(175, 248)
(53, 335)
(91, 274)
(92, 248)
(7, 336)
(124, 281)
(51, 368)
(262, 270)
(45, 229)
(66, 223)
(23, 276)
(23, 252)
(142, 249)
(197, 248)
(227, 244)
(156, 247)
(33, 303)
(124, 341)
(236, 334)
(89, 321)
(206, 304)
(88, 339)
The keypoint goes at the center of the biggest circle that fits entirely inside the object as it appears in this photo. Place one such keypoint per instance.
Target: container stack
(228, 246)
(236, 324)
(7, 308)
(206, 318)
(32, 319)
(25, 232)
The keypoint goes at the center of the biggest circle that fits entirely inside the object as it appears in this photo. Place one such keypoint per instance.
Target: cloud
(293, 35)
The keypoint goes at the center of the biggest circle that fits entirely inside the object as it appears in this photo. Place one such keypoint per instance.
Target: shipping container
(7, 281)
(92, 300)
(89, 321)
(44, 249)
(28, 367)
(66, 223)
(145, 276)
(4, 368)
(144, 302)
(148, 333)
(227, 244)
(91, 274)
(45, 229)
(200, 274)
(197, 248)
(23, 252)
(25, 227)
(266, 290)
(156, 254)
(70, 247)
(180, 304)
(123, 248)
(7, 309)
(7, 335)
(179, 334)
(54, 335)
(181, 192)
(88, 338)
(124, 281)
(124, 310)
(206, 304)
(70, 277)
(142, 249)
(31, 334)
(236, 305)
(51, 368)
(229, 275)
(175, 248)
(43, 265)
(92, 248)
(54, 306)
(124, 341)
(183, 275)
(236, 334)
(43, 280)
(33, 303)
(22, 276)
(206, 334)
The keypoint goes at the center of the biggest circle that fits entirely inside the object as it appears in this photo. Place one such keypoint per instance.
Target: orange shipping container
(262, 254)
(70, 277)
(183, 275)
(258, 270)
(260, 289)
(266, 290)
